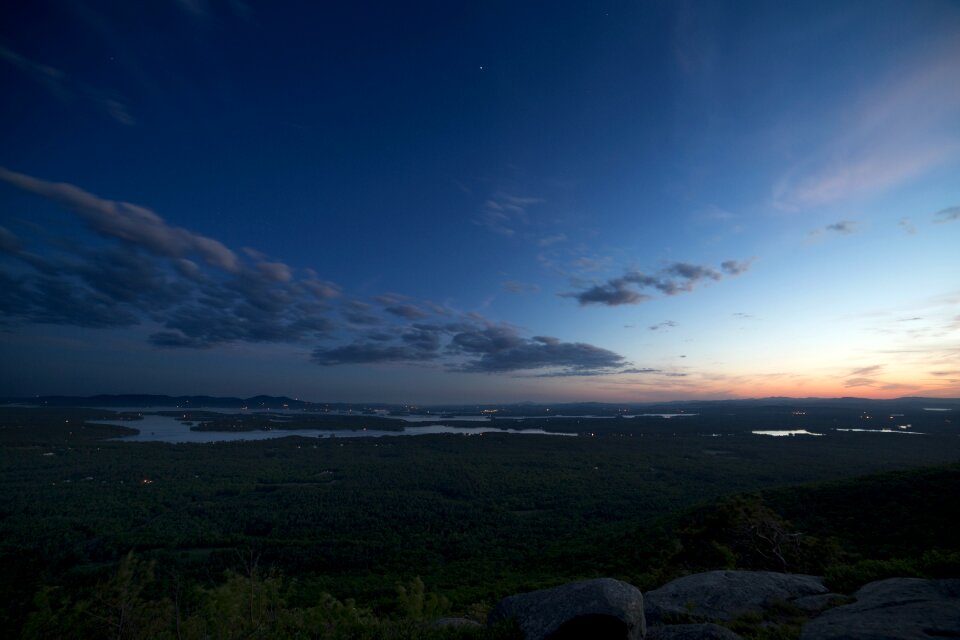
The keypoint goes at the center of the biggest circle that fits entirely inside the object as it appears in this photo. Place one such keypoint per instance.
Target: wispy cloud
(894, 131)
(592, 263)
(950, 214)
(676, 278)
(520, 288)
(128, 222)
(64, 87)
(505, 213)
(845, 227)
(907, 225)
(194, 8)
(201, 10)
(666, 324)
(877, 172)
(842, 227)
(556, 238)
(8, 241)
(864, 376)
(867, 371)
(735, 268)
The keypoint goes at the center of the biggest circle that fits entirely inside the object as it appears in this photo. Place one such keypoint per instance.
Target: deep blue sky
(432, 202)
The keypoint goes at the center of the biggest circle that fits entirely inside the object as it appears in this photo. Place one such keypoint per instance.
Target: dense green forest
(369, 537)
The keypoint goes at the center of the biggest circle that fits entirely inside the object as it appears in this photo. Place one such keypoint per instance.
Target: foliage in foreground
(134, 604)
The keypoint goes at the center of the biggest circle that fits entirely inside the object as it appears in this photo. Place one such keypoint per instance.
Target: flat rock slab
(898, 608)
(706, 631)
(603, 609)
(724, 595)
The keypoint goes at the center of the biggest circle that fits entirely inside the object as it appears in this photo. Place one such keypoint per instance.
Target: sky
(489, 202)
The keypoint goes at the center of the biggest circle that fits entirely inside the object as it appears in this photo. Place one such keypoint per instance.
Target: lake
(154, 428)
(786, 432)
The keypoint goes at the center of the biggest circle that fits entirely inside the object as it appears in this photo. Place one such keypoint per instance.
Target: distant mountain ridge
(151, 400)
(281, 402)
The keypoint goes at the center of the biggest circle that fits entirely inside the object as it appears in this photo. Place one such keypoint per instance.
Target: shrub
(847, 578)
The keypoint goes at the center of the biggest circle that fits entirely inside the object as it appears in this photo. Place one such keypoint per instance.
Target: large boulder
(724, 595)
(901, 608)
(598, 609)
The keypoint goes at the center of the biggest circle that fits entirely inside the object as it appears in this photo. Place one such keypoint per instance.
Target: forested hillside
(458, 522)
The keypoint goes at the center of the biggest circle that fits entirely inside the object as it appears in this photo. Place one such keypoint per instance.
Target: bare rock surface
(706, 631)
(898, 608)
(602, 609)
(723, 595)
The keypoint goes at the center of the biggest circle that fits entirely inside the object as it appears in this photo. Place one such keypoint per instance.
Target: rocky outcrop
(724, 595)
(901, 608)
(601, 609)
(686, 608)
(706, 631)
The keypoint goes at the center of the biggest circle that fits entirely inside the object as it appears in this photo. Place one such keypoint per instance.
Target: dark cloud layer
(407, 311)
(48, 300)
(498, 348)
(366, 353)
(360, 314)
(479, 347)
(121, 286)
(145, 274)
(612, 293)
(202, 294)
(416, 343)
(676, 278)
